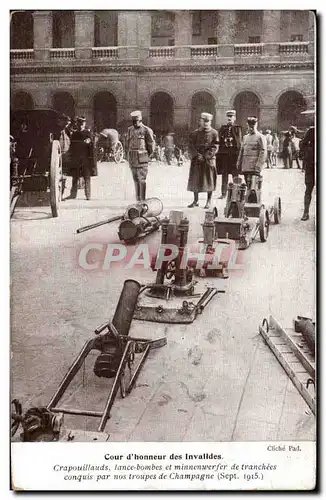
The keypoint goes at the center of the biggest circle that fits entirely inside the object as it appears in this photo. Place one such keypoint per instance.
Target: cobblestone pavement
(215, 380)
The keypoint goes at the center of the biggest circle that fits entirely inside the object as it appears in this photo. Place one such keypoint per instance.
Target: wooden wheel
(55, 178)
(277, 210)
(263, 224)
(118, 152)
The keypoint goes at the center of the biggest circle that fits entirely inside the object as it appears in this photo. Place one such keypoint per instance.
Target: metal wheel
(277, 210)
(118, 152)
(55, 178)
(263, 224)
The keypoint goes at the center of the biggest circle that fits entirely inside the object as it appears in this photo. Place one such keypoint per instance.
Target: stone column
(128, 34)
(144, 33)
(84, 33)
(183, 34)
(43, 40)
(225, 32)
(311, 32)
(271, 31)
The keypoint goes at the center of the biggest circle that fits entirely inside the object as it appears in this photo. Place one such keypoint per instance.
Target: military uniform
(307, 153)
(140, 147)
(83, 162)
(230, 137)
(252, 154)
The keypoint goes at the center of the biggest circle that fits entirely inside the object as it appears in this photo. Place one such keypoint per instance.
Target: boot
(195, 202)
(87, 188)
(209, 201)
(142, 190)
(306, 202)
(137, 190)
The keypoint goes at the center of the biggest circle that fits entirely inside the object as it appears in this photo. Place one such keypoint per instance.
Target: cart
(37, 165)
(109, 146)
(245, 216)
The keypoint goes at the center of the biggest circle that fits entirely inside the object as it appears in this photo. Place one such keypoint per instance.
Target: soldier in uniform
(307, 153)
(203, 147)
(83, 160)
(168, 142)
(269, 142)
(140, 147)
(253, 151)
(230, 137)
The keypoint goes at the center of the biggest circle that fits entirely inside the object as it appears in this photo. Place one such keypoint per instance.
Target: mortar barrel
(126, 306)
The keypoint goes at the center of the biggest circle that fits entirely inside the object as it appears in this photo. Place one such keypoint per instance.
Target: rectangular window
(171, 42)
(296, 38)
(254, 39)
(212, 41)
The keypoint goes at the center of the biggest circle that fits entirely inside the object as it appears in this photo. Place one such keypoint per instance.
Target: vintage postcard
(163, 263)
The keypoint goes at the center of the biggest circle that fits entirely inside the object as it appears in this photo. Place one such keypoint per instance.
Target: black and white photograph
(162, 262)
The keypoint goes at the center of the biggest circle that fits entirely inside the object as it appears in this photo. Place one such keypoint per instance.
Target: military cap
(231, 112)
(206, 116)
(268, 131)
(136, 114)
(252, 119)
(81, 119)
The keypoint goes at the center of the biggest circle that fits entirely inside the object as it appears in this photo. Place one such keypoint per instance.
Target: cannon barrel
(98, 224)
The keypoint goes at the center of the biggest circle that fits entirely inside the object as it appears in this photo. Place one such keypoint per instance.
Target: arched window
(105, 111)
(246, 104)
(290, 106)
(202, 102)
(64, 103)
(22, 101)
(161, 113)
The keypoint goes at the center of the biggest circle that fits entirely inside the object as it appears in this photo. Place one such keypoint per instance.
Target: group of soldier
(224, 152)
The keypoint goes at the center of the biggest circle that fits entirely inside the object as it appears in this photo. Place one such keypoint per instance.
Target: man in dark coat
(140, 148)
(203, 147)
(230, 138)
(307, 153)
(83, 159)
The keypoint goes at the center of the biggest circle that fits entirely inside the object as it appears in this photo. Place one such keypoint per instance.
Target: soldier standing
(269, 143)
(307, 150)
(203, 147)
(230, 137)
(252, 154)
(83, 160)
(140, 147)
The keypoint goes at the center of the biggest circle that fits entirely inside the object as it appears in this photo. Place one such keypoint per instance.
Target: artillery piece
(121, 358)
(174, 279)
(245, 215)
(138, 220)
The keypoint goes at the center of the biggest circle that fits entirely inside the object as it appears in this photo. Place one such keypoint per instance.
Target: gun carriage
(36, 163)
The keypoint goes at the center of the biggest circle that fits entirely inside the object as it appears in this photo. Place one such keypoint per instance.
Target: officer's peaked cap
(231, 112)
(252, 119)
(206, 116)
(81, 119)
(136, 114)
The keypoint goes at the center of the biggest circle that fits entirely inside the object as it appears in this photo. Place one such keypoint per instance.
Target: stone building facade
(169, 64)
